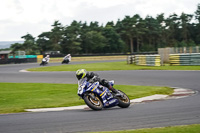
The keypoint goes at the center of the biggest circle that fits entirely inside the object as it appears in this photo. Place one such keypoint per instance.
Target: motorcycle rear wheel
(124, 102)
(93, 101)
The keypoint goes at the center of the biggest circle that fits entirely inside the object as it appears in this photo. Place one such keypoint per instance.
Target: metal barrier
(185, 59)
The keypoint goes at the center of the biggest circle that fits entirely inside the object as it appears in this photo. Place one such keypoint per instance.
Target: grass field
(15, 97)
(122, 65)
(195, 128)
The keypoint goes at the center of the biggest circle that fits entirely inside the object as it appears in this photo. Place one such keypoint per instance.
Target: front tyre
(124, 101)
(42, 64)
(93, 101)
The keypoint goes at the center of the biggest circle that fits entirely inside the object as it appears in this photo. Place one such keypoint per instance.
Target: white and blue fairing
(82, 83)
(104, 93)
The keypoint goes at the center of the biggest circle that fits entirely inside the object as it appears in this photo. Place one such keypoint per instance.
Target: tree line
(131, 34)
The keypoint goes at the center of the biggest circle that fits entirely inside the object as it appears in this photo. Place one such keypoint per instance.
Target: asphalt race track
(171, 112)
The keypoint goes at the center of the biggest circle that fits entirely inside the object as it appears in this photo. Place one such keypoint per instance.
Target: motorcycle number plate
(80, 89)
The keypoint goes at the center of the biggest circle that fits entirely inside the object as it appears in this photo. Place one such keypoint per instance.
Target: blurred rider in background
(45, 60)
(67, 59)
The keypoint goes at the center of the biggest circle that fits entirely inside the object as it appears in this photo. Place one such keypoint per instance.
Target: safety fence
(26, 56)
(185, 59)
(147, 60)
(20, 59)
(165, 52)
(144, 60)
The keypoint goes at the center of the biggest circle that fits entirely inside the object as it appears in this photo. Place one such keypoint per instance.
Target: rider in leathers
(93, 77)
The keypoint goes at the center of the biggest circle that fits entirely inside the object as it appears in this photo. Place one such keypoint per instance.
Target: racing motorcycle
(98, 97)
(43, 63)
(65, 61)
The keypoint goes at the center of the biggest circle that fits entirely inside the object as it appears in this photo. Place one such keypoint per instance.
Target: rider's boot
(110, 87)
(116, 92)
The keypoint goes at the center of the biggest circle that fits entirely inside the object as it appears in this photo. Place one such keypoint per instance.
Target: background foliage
(131, 34)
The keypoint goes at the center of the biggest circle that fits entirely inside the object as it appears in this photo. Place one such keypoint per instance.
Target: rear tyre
(124, 102)
(93, 101)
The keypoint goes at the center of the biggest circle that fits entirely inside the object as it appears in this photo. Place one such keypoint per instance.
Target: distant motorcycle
(43, 63)
(45, 60)
(65, 61)
(98, 97)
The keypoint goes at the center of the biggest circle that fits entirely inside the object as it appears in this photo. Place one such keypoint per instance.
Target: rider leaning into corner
(68, 56)
(46, 59)
(93, 77)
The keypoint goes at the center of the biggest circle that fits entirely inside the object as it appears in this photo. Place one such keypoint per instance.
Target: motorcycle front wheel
(93, 101)
(41, 64)
(124, 101)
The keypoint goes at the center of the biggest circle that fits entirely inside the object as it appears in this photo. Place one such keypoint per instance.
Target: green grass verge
(195, 128)
(111, 66)
(15, 97)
